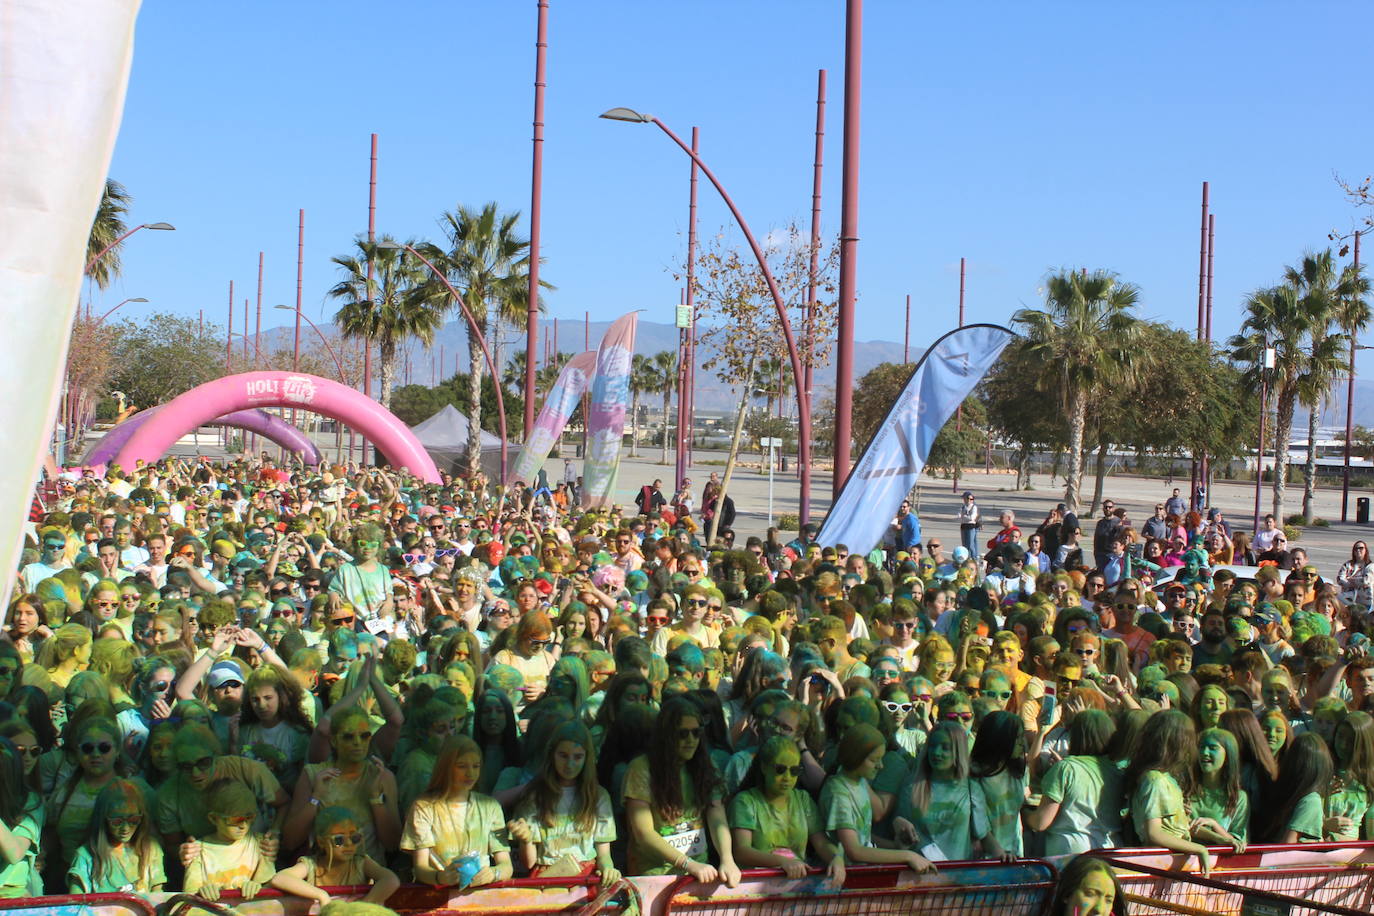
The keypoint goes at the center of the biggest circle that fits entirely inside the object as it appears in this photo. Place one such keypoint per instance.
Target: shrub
(1292, 532)
(789, 523)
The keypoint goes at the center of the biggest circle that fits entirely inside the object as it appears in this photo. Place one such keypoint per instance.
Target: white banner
(890, 466)
(64, 66)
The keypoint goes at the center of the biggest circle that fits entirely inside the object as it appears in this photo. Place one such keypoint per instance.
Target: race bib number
(691, 843)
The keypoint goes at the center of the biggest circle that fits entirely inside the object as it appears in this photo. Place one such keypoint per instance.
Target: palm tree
(1322, 291)
(768, 380)
(389, 309)
(640, 382)
(488, 262)
(108, 226)
(663, 374)
(1275, 319)
(1084, 340)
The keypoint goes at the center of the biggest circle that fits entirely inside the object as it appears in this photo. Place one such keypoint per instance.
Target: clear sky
(1025, 137)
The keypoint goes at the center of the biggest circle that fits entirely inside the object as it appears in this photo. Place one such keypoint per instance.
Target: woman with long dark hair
(1295, 812)
(121, 851)
(673, 801)
(21, 824)
(1158, 780)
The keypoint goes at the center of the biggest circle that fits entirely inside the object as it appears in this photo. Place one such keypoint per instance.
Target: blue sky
(1024, 137)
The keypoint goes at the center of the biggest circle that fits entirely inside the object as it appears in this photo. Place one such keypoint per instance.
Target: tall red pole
(849, 243)
(814, 269)
(300, 281)
(371, 238)
(691, 334)
(1201, 311)
(586, 398)
(555, 341)
(541, 47)
(679, 448)
(246, 336)
(229, 335)
(257, 337)
(906, 333)
(1205, 474)
(959, 411)
(1349, 410)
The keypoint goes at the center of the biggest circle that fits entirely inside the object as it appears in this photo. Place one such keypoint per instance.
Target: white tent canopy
(445, 437)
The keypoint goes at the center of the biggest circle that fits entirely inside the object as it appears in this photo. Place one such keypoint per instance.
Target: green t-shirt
(776, 828)
(1212, 803)
(1158, 796)
(21, 879)
(122, 874)
(1350, 799)
(565, 837)
(956, 815)
(845, 805)
(686, 833)
(1307, 818)
(1089, 793)
(1003, 797)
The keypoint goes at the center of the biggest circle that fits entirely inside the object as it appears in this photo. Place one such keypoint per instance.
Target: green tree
(1017, 411)
(416, 403)
(1333, 299)
(488, 261)
(1294, 320)
(874, 396)
(960, 439)
(641, 380)
(108, 226)
(663, 369)
(387, 310)
(163, 355)
(1084, 339)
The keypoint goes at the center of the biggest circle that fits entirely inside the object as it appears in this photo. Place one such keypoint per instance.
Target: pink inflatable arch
(225, 395)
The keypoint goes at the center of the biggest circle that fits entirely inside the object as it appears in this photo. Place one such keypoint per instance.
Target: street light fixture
(116, 308)
(476, 331)
(166, 227)
(798, 379)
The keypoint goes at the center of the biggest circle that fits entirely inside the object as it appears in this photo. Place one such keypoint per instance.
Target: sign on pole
(684, 316)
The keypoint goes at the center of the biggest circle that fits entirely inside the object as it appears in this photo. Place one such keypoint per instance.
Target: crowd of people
(236, 676)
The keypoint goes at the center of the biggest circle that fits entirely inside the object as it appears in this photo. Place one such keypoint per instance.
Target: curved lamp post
(343, 376)
(116, 308)
(476, 332)
(108, 248)
(798, 381)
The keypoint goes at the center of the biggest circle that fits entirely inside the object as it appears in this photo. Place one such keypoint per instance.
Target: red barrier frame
(1178, 877)
(137, 904)
(870, 881)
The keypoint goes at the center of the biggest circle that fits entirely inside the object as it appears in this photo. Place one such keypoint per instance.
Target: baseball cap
(1267, 614)
(225, 672)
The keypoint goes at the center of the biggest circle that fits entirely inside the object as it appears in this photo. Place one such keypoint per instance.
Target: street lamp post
(338, 364)
(1267, 365)
(110, 247)
(476, 331)
(102, 318)
(1349, 408)
(798, 376)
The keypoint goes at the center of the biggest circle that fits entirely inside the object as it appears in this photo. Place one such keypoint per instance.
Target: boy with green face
(230, 857)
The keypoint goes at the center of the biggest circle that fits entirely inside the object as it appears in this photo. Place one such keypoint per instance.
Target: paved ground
(938, 503)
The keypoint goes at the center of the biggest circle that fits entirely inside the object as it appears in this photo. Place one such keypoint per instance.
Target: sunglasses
(958, 717)
(997, 694)
(783, 769)
(1086, 651)
(90, 747)
(371, 545)
(697, 602)
(903, 624)
(892, 706)
(692, 572)
(655, 619)
(283, 612)
(237, 820)
(539, 643)
(193, 766)
(338, 840)
(131, 820)
(342, 621)
(683, 734)
(32, 753)
(924, 698)
(310, 586)
(54, 545)
(159, 686)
